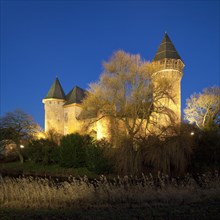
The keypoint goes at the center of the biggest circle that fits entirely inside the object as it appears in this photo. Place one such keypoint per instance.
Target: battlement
(168, 63)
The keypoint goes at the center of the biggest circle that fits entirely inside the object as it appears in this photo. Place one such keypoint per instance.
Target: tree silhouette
(17, 126)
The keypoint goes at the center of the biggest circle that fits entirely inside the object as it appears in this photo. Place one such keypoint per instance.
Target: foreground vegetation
(161, 211)
(29, 168)
(76, 154)
(161, 197)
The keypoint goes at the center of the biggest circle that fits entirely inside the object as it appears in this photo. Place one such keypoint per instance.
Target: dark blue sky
(71, 39)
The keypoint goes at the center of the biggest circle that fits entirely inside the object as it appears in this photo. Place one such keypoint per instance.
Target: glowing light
(21, 146)
(192, 133)
(99, 131)
(40, 135)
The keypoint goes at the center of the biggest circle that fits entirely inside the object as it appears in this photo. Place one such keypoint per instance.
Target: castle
(62, 111)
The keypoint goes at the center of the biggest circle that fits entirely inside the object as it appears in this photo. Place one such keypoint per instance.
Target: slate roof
(166, 50)
(76, 95)
(56, 91)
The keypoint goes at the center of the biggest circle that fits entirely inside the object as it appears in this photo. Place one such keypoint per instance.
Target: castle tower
(72, 110)
(53, 106)
(167, 64)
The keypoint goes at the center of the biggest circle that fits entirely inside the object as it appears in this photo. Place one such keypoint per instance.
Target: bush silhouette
(42, 151)
(82, 151)
(73, 151)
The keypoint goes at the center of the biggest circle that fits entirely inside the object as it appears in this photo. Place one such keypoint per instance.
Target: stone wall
(54, 115)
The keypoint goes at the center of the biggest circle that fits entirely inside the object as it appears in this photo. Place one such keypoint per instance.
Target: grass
(31, 168)
(201, 211)
(122, 198)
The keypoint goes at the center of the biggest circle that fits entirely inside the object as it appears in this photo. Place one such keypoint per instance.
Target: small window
(66, 117)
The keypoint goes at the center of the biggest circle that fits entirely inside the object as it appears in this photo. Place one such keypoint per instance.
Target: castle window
(66, 117)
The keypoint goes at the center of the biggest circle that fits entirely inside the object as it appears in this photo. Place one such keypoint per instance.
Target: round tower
(168, 66)
(53, 106)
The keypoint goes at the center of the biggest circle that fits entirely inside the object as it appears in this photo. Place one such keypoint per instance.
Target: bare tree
(127, 94)
(203, 109)
(18, 126)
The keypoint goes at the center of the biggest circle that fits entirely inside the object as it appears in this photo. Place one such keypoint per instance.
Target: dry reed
(44, 193)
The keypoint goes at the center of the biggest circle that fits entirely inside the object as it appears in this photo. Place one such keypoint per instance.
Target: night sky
(70, 39)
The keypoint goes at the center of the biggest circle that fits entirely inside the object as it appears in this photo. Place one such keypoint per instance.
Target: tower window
(66, 117)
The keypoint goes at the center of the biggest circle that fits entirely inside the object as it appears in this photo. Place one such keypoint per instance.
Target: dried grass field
(119, 198)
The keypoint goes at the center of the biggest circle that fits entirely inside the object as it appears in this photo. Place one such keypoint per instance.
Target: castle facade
(62, 111)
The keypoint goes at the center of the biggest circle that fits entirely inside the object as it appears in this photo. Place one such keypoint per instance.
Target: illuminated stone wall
(54, 115)
(172, 70)
(71, 122)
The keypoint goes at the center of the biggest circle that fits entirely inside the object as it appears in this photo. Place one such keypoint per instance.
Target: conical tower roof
(76, 95)
(56, 91)
(166, 50)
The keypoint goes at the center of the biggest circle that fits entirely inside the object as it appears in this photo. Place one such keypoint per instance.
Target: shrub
(170, 155)
(42, 151)
(72, 151)
(96, 159)
(127, 158)
(82, 151)
(206, 151)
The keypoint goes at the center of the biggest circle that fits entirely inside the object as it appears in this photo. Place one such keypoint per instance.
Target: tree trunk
(21, 158)
(133, 152)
